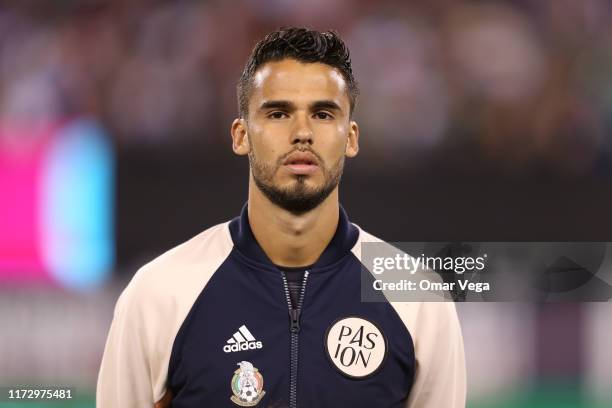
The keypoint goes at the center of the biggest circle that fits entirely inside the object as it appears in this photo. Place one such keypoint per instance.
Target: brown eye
(323, 115)
(277, 115)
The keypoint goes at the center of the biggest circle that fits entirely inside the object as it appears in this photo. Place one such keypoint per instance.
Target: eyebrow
(281, 105)
(290, 106)
(329, 105)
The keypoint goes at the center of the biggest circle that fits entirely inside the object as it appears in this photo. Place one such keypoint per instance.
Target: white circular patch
(356, 346)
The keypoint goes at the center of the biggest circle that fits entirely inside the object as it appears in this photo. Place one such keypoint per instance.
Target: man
(265, 310)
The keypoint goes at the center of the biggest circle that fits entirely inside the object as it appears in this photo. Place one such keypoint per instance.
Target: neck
(288, 239)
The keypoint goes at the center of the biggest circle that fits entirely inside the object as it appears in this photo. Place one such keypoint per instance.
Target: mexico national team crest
(356, 347)
(247, 385)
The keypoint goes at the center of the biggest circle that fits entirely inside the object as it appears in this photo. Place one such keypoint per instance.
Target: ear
(352, 144)
(240, 139)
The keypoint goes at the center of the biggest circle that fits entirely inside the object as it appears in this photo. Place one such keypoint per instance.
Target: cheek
(264, 148)
(335, 142)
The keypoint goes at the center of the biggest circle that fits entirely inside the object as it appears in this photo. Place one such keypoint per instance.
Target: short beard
(297, 199)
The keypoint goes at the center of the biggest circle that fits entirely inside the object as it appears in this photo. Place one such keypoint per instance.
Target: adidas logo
(242, 340)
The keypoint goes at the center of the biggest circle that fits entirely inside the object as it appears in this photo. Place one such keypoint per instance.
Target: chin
(305, 183)
(295, 180)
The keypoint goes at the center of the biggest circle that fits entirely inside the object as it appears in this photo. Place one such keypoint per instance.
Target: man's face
(297, 132)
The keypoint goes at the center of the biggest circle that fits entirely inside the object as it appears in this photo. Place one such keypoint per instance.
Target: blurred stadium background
(480, 120)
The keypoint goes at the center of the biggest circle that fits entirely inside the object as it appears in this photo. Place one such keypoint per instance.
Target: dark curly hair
(303, 45)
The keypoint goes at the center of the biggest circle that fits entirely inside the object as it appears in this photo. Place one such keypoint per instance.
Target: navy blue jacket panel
(247, 289)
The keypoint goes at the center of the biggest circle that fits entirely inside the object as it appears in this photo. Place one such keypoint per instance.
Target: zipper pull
(294, 314)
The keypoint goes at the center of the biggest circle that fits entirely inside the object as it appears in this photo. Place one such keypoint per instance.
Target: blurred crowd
(518, 85)
(510, 88)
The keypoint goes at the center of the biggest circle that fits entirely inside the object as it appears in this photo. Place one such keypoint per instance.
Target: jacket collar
(342, 242)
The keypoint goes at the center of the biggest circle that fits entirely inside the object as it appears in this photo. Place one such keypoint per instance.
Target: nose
(302, 132)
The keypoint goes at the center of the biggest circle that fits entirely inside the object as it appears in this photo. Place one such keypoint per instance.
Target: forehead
(295, 81)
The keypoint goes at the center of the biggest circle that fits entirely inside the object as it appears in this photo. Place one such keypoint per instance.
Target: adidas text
(251, 345)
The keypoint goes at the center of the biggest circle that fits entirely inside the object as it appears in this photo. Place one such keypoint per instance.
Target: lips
(301, 163)
(301, 158)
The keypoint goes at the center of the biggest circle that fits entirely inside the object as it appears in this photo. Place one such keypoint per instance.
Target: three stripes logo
(242, 340)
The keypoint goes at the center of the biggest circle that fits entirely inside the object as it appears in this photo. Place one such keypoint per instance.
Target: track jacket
(210, 320)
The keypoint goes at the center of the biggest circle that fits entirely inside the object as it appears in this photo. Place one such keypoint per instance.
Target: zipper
(294, 328)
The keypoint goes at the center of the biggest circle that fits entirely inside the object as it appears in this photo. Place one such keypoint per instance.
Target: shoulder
(364, 237)
(419, 317)
(201, 251)
(182, 272)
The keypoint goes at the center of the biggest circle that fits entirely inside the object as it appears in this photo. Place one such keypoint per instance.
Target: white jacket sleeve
(149, 314)
(125, 379)
(440, 379)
